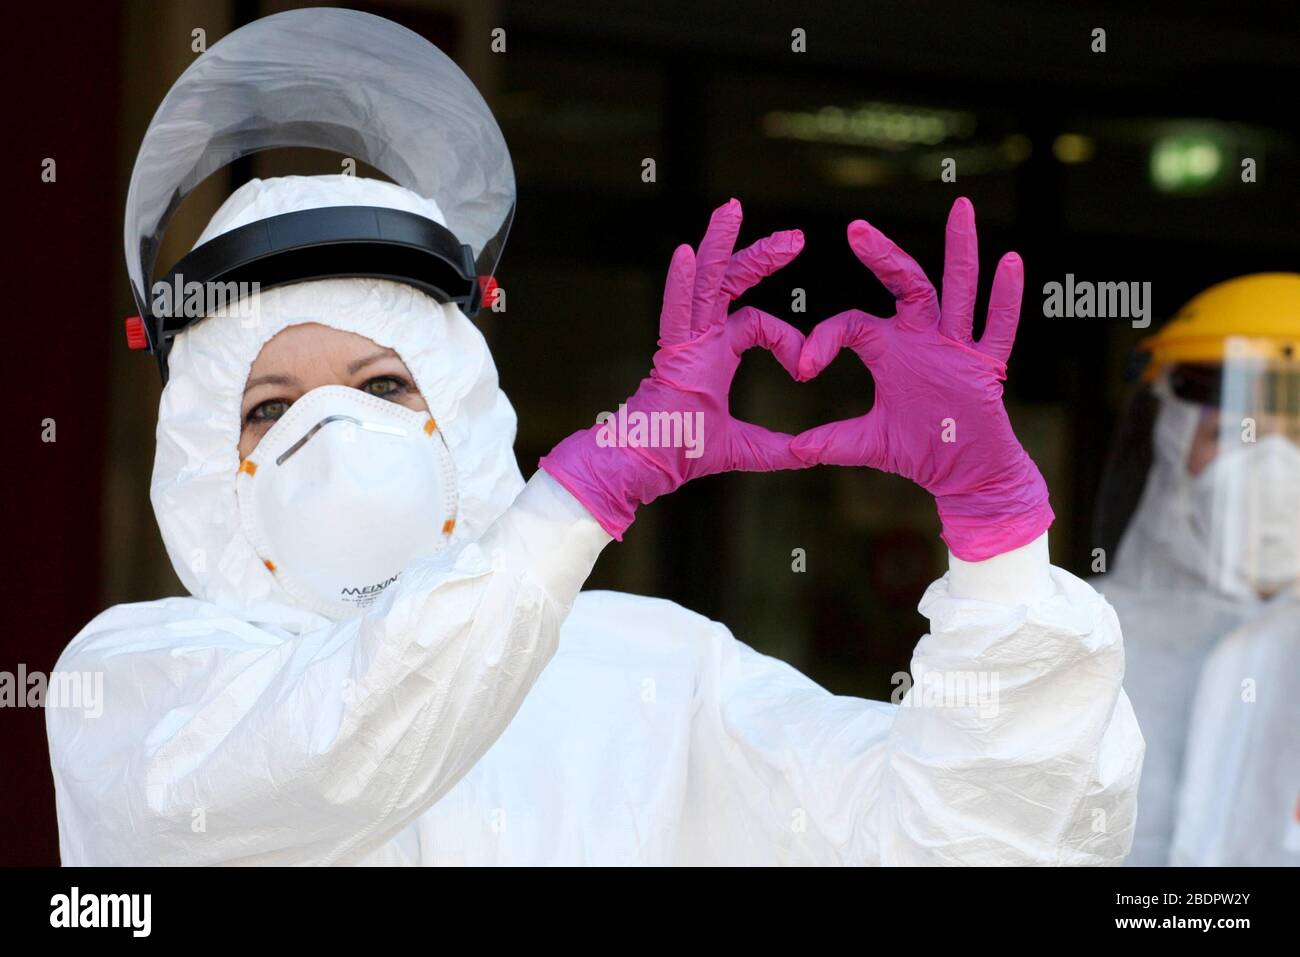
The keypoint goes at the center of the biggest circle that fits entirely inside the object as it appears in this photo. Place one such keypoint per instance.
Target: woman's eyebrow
(272, 379)
(353, 367)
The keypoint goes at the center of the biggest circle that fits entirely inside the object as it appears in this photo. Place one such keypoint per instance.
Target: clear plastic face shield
(1210, 450)
(353, 84)
(1244, 463)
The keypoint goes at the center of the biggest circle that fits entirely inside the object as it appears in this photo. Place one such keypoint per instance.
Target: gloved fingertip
(783, 240)
(962, 214)
(863, 236)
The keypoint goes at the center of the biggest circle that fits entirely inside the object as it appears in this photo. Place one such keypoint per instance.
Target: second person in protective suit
(1204, 485)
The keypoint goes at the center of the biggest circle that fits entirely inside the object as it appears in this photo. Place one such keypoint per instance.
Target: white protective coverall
(485, 711)
(1221, 780)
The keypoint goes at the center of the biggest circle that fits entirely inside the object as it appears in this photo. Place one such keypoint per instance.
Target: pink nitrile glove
(938, 417)
(699, 350)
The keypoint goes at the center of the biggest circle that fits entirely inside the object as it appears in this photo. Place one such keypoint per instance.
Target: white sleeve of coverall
(320, 748)
(1014, 745)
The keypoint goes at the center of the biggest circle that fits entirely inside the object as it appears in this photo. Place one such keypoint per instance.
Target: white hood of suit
(193, 486)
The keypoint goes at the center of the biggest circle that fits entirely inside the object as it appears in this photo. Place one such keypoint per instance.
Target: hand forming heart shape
(938, 417)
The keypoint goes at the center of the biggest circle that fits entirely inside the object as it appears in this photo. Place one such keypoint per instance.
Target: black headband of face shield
(333, 242)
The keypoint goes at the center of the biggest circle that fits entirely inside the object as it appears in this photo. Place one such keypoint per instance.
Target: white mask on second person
(342, 493)
(1247, 512)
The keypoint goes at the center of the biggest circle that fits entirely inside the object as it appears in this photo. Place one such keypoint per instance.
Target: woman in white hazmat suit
(477, 708)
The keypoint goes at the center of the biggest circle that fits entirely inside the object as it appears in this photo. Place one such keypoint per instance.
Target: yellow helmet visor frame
(1275, 353)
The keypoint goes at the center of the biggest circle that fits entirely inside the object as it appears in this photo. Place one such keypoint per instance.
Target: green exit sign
(1186, 162)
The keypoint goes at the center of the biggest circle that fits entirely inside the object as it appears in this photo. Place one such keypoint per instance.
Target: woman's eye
(268, 411)
(386, 387)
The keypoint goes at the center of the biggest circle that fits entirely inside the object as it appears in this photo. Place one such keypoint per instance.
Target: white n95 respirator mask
(342, 493)
(1247, 511)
